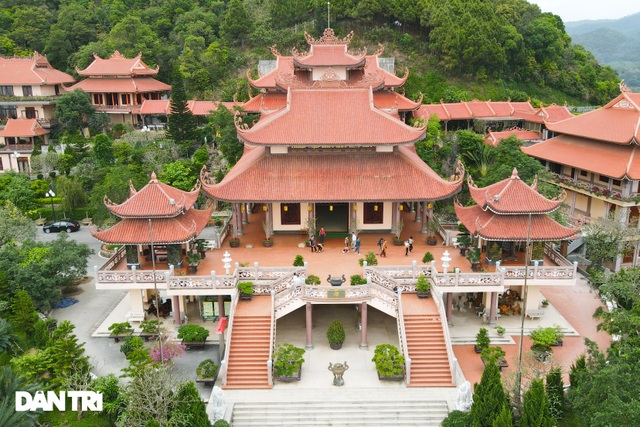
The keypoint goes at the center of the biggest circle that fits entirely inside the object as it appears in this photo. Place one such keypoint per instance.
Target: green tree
(14, 225)
(182, 125)
(150, 396)
(72, 194)
(16, 188)
(10, 382)
(131, 36)
(179, 174)
(535, 412)
(236, 24)
(188, 409)
(103, 150)
(222, 124)
(488, 398)
(70, 362)
(23, 312)
(504, 418)
(113, 399)
(605, 239)
(73, 109)
(555, 391)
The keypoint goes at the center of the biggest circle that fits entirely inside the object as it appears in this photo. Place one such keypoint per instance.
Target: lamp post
(518, 390)
(155, 288)
(51, 195)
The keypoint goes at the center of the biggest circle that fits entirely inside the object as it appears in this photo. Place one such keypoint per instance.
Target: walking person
(406, 247)
(321, 235)
(357, 245)
(410, 244)
(380, 246)
(353, 240)
(346, 245)
(383, 249)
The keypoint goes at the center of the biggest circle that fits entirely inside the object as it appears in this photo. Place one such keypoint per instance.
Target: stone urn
(336, 282)
(338, 369)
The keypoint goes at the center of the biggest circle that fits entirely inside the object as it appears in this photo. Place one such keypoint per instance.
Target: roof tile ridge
(466, 105)
(33, 68)
(490, 107)
(444, 107)
(635, 133)
(634, 150)
(421, 127)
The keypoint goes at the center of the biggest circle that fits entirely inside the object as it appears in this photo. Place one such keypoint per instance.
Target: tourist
(353, 240)
(383, 249)
(321, 235)
(346, 245)
(406, 247)
(380, 246)
(410, 244)
(357, 248)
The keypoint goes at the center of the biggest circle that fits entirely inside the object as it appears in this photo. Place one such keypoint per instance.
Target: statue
(338, 370)
(219, 406)
(464, 397)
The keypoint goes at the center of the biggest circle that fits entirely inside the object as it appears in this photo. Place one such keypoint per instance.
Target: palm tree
(483, 157)
(10, 382)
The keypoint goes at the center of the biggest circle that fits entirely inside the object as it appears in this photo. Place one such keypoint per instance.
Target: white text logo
(85, 400)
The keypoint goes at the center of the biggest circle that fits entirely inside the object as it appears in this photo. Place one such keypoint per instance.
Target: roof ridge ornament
(328, 37)
(623, 87)
(274, 50)
(117, 55)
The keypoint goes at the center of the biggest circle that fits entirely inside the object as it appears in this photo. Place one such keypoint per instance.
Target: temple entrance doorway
(334, 217)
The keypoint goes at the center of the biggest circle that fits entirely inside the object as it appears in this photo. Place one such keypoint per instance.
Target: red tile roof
(154, 200)
(493, 138)
(324, 176)
(121, 85)
(618, 122)
(612, 160)
(266, 102)
(323, 117)
(490, 226)
(198, 108)
(390, 80)
(22, 128)
(118, 65)
(165, 231)
(328, 56)
(474, 110)
(34, 70)
(551, 114)
(512, 196)
(154, 106)
(390, 100)
(284, 66)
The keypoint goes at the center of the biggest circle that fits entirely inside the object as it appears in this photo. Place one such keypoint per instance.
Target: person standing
(380, 246)
(321, 235)
(410, 244)
(346, 245)
(406, 247)
(383, 249)
(357, 245)
(353, 240)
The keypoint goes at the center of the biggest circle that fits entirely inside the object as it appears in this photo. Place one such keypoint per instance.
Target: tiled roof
(618, 122)
(494, 138)
(198, 108)
(490, 226)
(511, 196)
(34, 70)
(612, 160)
(474, 109)
(165, 231)
(284, 66)
(118, 65)
(266, 102)
(154, 106)
(323, 117)
(155, 200)
(327, 176)
(328, 56)
(121, 85)
(390, 80)
(22, 128)
(389, 100)
(551, 114)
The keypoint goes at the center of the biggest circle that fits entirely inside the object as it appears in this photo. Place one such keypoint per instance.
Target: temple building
(332, 146)
(595, 158)
(118, 86)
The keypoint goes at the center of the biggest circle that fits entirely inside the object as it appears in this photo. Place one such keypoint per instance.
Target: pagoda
(332, 145)
(508, 216)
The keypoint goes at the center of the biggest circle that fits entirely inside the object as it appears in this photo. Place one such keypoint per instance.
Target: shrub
(457, 419)
(221, 423)
(474, 255)
(246, 288)
(150, 326)
(312, 280)
(428, 257)
(335, 333)
(357, 279)
(193, 333)
(537, 252)
(493, 353)
(423, 284)
(287, 360)
(130, 344)
(543, 338)
(482, 339)
(120, 328)
(207, 369)
(370, 257)
(495, 252)
(389, 362)
(298, 261)
(170, 350)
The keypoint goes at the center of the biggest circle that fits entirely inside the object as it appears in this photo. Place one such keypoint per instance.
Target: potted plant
(370, 258)
(130, 344)
(397, 241)
(201, 247)
(287, 362)
(246, 290)
(464, 241)
(543, 338)
(482, 340)
(193, 335)
(537, 253)
(495, 354)
(500, 330)
(298, 261)
(150, 329)
(428, 257)
(423, 286)
(268, 232)
(207, 372)
(495, 253)
(312, 280)
(389, 362)
(474, 258)
(432, 229)
(120, 330)
(336, 335)
(174, 255)
(357, 279)
(192, 261)
(234, 242)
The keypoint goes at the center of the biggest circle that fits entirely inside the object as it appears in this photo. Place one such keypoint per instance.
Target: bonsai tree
(287, 360)
(120, 329)
(130, 344)
(432, 228)
(537, 252)
(193, 259)
(428, 257)
(298, 261)
(543, 338)
(370, 257)
(423, 286)
(150, 327)
(193, 333)
(474, 256)
(312, 280)
(201, 247)
(482, 340)
(389, 362)
(336, 334)
(464, 241)
(206, 370)
(494, 254)
(500, 330)
(495, 355)
(246, 290)
(357, 279)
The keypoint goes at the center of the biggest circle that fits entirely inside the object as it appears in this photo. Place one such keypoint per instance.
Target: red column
(309, 325)
(175, 306)
(221, 306)
(363, 331)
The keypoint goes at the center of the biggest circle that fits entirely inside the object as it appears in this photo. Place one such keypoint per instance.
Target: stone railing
(402, 340)
(541, 273)
(447, 337)
(225, 357)
(555, 256)
(202, 282)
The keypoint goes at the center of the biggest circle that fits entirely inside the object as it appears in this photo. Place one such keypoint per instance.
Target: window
(8, 112)
(23, 165)
(1, 166)
(616, 182)
(373, 213)
(27, 91)
(30, 113)
(10, 140)
(6, 90)
(97, 99)
(584, 173)
(555, 167)
(290, 213)
(604, 179)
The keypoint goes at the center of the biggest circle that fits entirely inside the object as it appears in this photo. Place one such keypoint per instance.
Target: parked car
(67, 225)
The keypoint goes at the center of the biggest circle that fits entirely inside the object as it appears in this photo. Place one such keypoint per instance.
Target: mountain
(614, 42)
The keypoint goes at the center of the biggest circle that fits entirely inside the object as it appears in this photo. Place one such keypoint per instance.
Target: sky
(577, 10)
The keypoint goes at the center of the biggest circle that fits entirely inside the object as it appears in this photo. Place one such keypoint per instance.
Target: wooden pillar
(221, 306)
(363, 330)
(423, 230)
(449, 306)
(493, 311)
(418, 211)
(237, 220)
(309, 325)
(175, 306)
(245, 214)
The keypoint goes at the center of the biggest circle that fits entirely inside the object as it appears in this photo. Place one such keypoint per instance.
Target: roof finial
(514, 174)
(624, 87)
(328, 14)
(153, 176)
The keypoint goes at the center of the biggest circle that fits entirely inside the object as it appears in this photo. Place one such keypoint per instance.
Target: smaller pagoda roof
(22, 128)
(118, 65)
(266, 102)
(121, 85)
(154, 200)
(493, 138)
(391, 100)
(468, 110)
(490, 226)
(197, 108)
(165, 231)
(512, 196)
(284, 67)
(328, 55)
(34, 70)
(550, 114)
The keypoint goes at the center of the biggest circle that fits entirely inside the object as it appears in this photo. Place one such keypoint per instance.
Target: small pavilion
(156, 222)
(514, 217)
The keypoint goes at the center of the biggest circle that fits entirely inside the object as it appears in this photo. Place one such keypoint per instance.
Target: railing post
(256, 267)
(223, 369)
(414, 266)
(454, 369)
(95, 273)
(213, 279)
(133, 271)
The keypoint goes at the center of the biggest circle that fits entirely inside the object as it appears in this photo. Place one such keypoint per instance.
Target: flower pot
(289, 379)
(432, 241)
(267, 243)
(193, 269)
(477, 349)
(246, 297)
(234, 243)
(193, 344)
(476, 266)
(399, 377)
(423, 295)
(335, 345)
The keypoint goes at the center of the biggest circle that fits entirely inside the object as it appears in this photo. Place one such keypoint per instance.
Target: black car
(67, 225)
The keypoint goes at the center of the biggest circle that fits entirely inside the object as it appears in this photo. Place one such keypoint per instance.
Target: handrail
(402, 335)
(224, 362)
(445, 331)
(272, 338)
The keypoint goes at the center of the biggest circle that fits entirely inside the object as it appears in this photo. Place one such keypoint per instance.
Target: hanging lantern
(242, 208)
(355, 207)
(375, 208)
(309, 207)
(264, 208)
(286, 208)
(401, 207)
(331, 208)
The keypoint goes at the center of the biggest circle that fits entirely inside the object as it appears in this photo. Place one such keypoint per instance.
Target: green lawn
(70, 418)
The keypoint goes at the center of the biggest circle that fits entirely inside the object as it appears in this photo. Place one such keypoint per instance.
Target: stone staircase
(428, 351)
(350, 412)
(248, 353)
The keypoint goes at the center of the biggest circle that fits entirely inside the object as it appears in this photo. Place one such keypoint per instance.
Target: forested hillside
(614, 42)
(455, 49)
